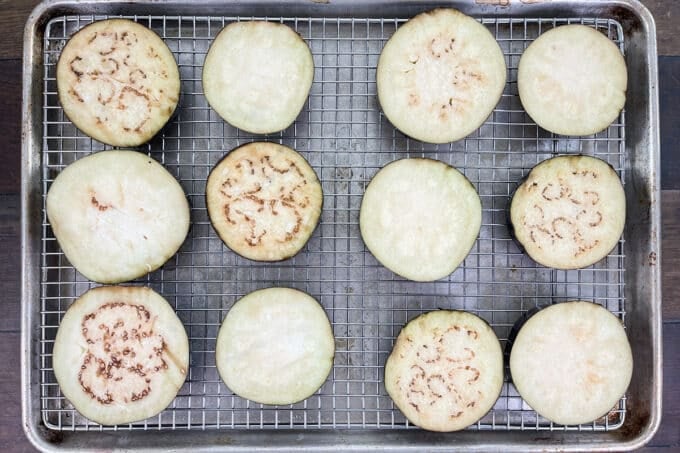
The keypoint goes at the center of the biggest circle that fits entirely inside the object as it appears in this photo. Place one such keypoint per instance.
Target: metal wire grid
(344, 136)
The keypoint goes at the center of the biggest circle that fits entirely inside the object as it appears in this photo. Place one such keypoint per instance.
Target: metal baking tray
(345, 137)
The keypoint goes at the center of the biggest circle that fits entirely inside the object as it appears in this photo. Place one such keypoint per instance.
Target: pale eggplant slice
(264, 200)
(121, 354)
(257, 75)
(445, 371)
(420, 218)
(572, 80)
(117, 215)
(440, 76)
(569, 212)
(275, 346)
(118, 82)
(571, 362)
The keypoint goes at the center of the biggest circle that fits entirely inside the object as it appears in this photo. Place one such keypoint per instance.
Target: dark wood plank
(666, 15)
(12, 20)
(670, 254)
(669, 112)
(10, 270)
(12, 437)
(10, 125)
(668, 436)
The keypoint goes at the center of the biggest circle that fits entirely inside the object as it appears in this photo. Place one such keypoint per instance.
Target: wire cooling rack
(345, 137)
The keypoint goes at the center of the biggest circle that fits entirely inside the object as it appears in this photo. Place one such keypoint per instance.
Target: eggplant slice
(118, 82)
(572, 80)
(117, 215)
(264, 201)
(257, 75)
(440, 76)
(121, 354)
(275, 346)
(571, 362)
(445, 370)
(420, 218)
(569, 212)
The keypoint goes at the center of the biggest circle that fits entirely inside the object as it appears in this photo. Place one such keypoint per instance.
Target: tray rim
(47, 440)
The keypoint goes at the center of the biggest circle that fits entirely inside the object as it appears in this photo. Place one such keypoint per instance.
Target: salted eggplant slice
(571, 362)
(121, 354)
(264, 200)
(569, 212)
(257, 75)
(118, 82)
(445, 371)
(420, 218)
(440, 76)
(275, 346)
(572, 80)
(117, 215)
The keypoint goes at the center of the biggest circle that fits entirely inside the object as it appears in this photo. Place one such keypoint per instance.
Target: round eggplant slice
(440, 76)
(118, 82)
(571, 362)
(121, 354)
(264, 201)
(569, 212)
(275, 346)
(420, 218)
(572, 80)
(257, 75)
(117, 215)
(445, 370)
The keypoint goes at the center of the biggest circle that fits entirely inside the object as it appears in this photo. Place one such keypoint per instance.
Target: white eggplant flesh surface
(121, 354)
(264, 201)
(257, 75)
(275, 346)
(571, 362)
(445, 371)
(118, 82)
(440, 75)
(420, 218)
(569, 212)
(572, 80)
(117, 215)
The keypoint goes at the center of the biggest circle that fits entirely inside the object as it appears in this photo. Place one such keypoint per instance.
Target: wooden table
(12, 19)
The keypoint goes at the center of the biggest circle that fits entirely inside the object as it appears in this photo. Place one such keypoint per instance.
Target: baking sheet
(344, 136)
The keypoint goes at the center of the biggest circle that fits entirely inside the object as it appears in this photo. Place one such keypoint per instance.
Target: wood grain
(669, 112)
(12, 20)
(12, 438)
(666, 15)
(10, 125)
(670, 254)
(10, 269)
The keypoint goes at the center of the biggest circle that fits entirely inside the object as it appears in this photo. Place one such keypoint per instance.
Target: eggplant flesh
(420, 218)
(445, 371)
(569, 212)
(264, 201)
(121, 354)
(117, 215)
(440, 76)
(257, 75)
(118, 82)
(571, 362)
(275, 346)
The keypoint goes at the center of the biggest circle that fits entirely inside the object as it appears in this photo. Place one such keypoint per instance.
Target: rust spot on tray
(652, 258)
